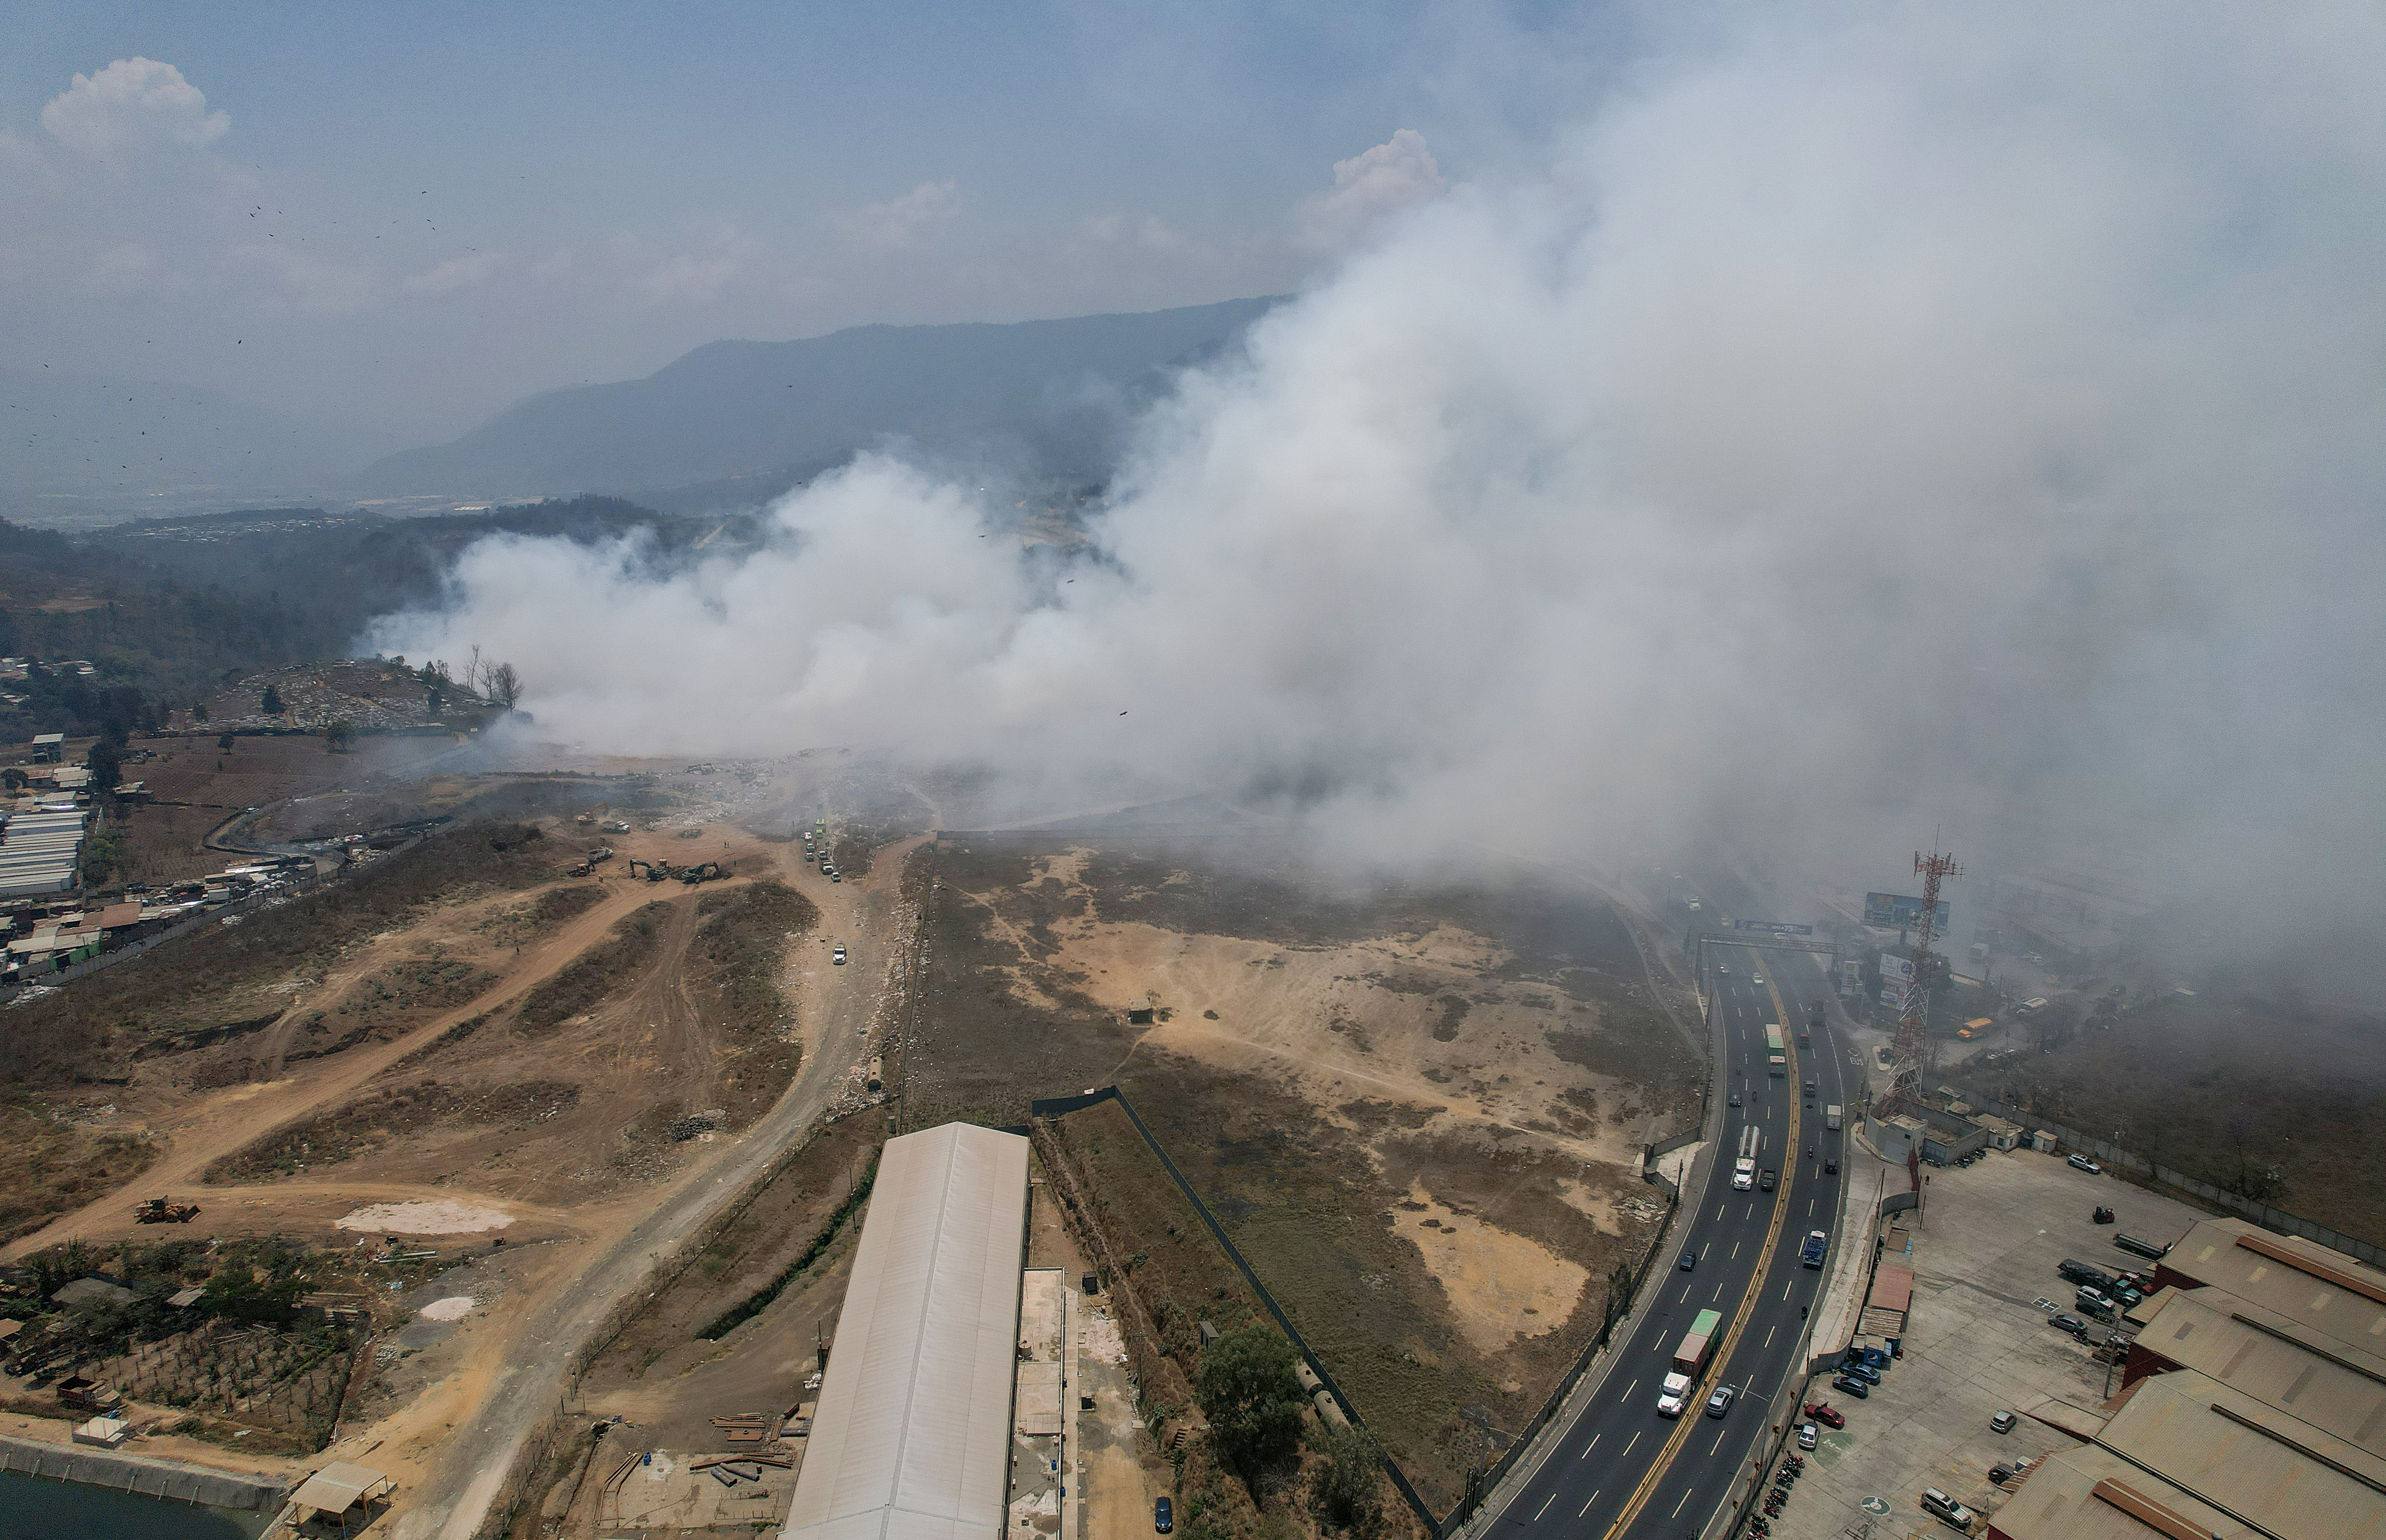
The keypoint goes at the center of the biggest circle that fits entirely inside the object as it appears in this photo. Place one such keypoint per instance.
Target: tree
(271, 704)
(105, 856)
(504, 684)
(223, 744)
(340, 738)
(1253, 1399)
(1347, 1487)
(12, 779)
(198, 710)
(106, 762)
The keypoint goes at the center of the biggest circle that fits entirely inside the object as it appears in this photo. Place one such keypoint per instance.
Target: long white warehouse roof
(912, 1436)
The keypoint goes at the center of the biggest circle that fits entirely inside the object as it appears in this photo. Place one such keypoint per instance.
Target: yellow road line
(1664, 1461)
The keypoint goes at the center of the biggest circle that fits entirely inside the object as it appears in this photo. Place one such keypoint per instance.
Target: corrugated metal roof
(2323, 1290)
(1893, 1287)
(2255, 1353)
(2233, 1452)
(912, 1440)
(2059, 1500)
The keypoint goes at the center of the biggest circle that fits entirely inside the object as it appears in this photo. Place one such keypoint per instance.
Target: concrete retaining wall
(135, 1473)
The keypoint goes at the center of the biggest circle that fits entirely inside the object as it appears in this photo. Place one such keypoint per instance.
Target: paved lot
(1984, 1249)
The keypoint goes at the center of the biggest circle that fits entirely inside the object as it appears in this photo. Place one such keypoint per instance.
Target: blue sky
(407, 216)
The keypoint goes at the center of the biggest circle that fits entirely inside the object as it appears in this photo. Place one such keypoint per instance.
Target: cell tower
(1909, 1045)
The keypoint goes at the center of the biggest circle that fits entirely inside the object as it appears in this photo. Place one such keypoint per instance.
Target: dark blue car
(1163, 1516)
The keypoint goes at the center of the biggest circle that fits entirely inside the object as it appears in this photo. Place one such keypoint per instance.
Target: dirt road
(211, 1127)
(834, 1008)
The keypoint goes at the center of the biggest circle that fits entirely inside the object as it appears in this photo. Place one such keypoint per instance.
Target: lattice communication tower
(1909, 1047)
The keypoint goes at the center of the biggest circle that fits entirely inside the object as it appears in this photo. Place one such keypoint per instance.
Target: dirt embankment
(1419, 1113)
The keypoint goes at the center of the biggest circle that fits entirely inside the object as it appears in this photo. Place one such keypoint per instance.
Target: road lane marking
(1681, 1433)
(1686, 1491)
(1791, 1284)
(1595, 1437)
(1627, 1448)
(1586, 1508)
(1712, 1451)
(1628, 1395)
(1735, 1252)
(1545, 1506)
(1717, 1295)
(1768, 1337)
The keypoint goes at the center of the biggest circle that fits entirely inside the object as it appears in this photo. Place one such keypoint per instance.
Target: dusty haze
(1869, 425)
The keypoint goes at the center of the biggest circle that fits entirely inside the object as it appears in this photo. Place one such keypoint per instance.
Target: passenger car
(1809, 1436)
(1847, 1384)
(1689, 1260)
(1946, 1508)
(2003, 1422)
(1163, 1516)
(837, 957)
(1720, 1402)
(2081, 1163)
(1827, 1414)
(2070, 1323)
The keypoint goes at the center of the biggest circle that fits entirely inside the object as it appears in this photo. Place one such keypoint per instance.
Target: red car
(1823, 1412)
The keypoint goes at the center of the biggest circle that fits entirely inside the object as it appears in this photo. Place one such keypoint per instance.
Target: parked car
(1827, 1414)
(838, 957)
(1689, 1261)
(1847, 1384)
(2081, 1163)
(2003, 1422)
(1163, 1516)
(1863, 1372)
(1720, 1402)
(1809, 1436)
(1945, 1508)
(2070, 1323)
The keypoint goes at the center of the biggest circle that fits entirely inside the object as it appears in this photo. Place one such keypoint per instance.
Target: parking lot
(1984, 1250)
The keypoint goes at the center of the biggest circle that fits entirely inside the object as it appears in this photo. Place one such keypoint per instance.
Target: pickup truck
(1810, 1254)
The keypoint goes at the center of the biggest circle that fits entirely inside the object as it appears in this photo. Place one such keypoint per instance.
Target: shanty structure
(912, 1439)
(341, 1492)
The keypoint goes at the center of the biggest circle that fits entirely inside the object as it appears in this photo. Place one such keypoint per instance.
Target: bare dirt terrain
(463, 1061)
(1420, 1114)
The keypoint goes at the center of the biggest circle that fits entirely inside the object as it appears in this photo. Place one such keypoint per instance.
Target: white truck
(1743, 1168)
(1831, 1116)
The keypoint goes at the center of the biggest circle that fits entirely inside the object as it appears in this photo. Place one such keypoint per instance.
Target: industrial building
(912, 1436)
(2252, 1404)
(41, 852)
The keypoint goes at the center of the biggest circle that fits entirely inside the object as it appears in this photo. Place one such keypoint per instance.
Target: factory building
(2252, 1404)
(912, 1436)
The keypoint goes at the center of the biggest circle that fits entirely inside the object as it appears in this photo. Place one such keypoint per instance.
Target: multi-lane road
(1619, 1468)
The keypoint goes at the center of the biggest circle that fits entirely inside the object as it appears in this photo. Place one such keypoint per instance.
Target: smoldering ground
(1872, 419)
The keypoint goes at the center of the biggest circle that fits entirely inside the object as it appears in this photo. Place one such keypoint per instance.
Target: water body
(33, 1508)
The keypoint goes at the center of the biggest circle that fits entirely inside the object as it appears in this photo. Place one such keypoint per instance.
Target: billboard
(1899, 913)
(1896, 981)
(1851, 976)
(1773, 928)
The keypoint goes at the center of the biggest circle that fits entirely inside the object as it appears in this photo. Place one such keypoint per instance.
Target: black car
(1831, 1166)
(1847, 1384)
(1689, 1260)
(1163, 1516)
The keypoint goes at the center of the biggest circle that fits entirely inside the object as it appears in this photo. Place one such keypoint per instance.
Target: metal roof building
(2338, 1389)
(2267, 1468)
(2323, 1291)
(39, 853)
(911, 1439)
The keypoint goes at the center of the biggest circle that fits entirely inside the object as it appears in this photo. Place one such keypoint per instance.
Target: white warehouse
(911, 1439)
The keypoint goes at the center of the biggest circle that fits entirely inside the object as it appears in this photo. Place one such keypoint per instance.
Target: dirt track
(519, 1380)
(214, 1126)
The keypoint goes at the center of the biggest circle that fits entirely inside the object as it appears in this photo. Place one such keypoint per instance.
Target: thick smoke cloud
(1895, 420)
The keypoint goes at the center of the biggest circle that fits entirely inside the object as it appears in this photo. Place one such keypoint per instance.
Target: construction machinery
(165, 1210)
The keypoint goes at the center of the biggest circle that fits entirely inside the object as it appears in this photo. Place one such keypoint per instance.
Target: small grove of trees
(272, 703)
(198, 710)
(340, 736)
(498, 683)
(105, 760)
(106, 855)
(1253, 1399)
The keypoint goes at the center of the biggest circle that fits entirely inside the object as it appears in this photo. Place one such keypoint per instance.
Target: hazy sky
(414, 213)
(1872, 421)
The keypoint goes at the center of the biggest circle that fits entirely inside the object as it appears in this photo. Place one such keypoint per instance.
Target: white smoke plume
(1905, 417)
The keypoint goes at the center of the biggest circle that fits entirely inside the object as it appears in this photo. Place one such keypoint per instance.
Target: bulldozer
(165, 1210)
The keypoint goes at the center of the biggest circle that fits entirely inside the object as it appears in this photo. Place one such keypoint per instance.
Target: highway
(1620, 1468)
